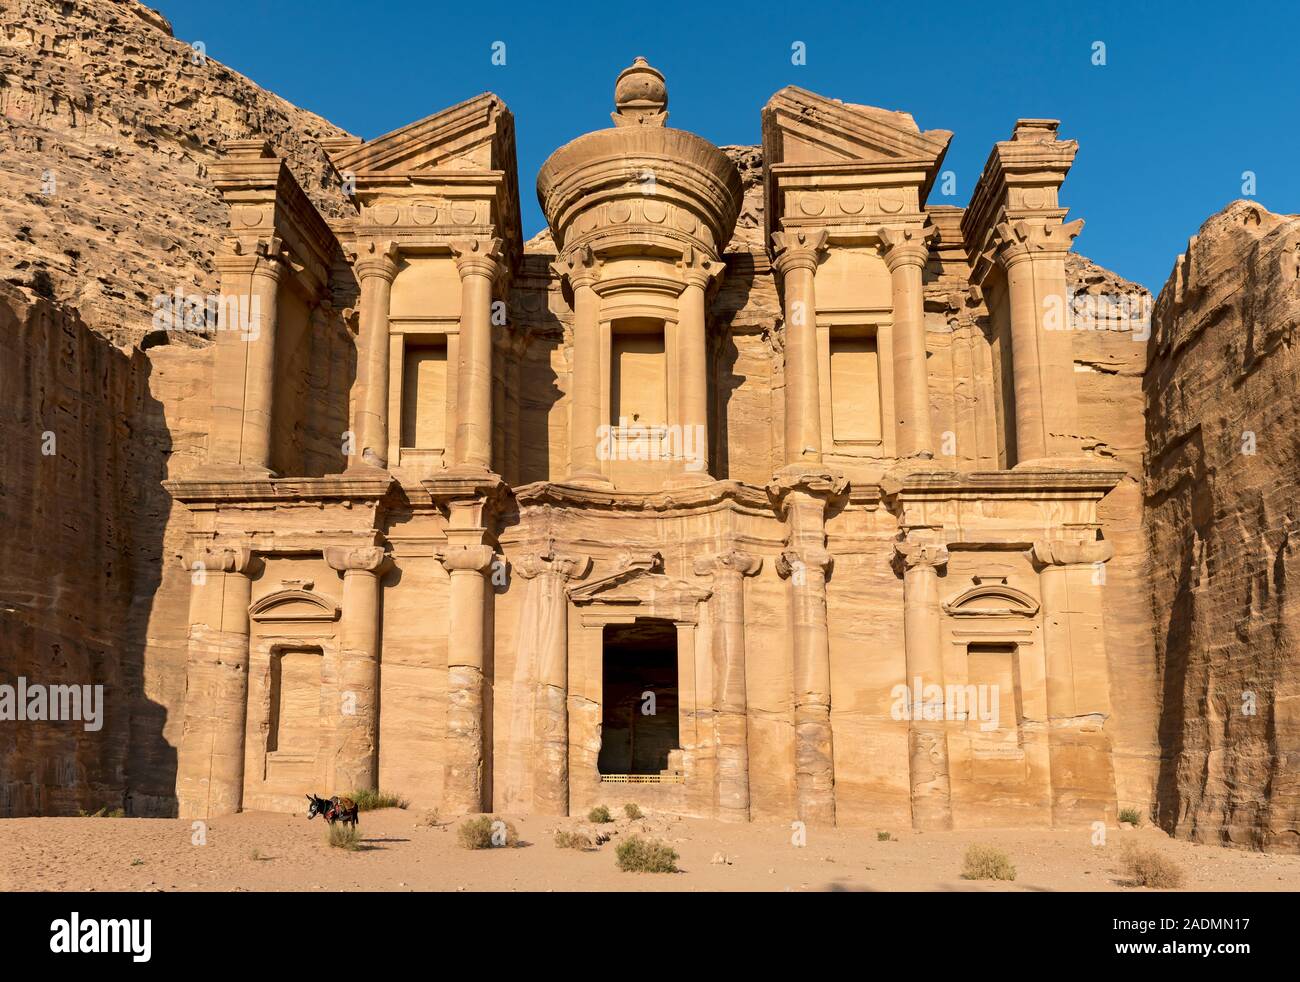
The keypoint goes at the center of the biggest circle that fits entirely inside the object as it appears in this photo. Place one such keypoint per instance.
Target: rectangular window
(638, 394)
(855, 389)
(424, 396)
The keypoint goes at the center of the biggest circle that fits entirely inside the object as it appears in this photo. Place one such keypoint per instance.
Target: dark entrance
(639, 723)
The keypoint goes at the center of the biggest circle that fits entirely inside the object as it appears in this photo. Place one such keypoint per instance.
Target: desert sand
(258, 851)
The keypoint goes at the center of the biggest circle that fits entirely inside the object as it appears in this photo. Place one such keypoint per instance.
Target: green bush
(343, 836)
(479, 833)
(368, 801)
(1130, 815)
(883, 836)
(1149, 868)
(600, 815)
(637, 855)
(987, 863)
(632, 811)
(572, 840)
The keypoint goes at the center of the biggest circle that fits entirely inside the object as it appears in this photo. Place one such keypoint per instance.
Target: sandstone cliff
(107, 127)
(1223, 502)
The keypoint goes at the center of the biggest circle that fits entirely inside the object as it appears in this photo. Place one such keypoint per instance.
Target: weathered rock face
(89, 596)
(107, 127)
(1222, 502)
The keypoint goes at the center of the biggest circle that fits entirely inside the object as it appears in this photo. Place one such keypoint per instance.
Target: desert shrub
(638, 855)
(104, 812)
(600, 814)
(368, 801)
(1130, 815)
(1149, 868)
(883, 836)
(632, 811)
(987, 863)
(571, 840)
(429, 818)
(342, 836)
(484, 832)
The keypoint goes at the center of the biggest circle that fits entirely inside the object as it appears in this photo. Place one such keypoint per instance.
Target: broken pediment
(635, 580)
(801, 127)
(475, 135)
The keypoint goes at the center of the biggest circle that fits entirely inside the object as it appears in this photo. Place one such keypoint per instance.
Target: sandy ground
(260, 851)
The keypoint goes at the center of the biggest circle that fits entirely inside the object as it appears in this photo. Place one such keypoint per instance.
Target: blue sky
(1191, 95)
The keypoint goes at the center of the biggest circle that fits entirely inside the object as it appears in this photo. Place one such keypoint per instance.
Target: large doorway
(639, 720)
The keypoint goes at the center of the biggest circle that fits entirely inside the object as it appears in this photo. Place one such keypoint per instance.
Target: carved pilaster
(581, 269)
(795, 258)
(375, 268)
(728, 570)
(906, 250)
(480, 264)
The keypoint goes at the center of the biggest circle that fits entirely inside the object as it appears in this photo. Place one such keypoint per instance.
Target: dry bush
(572, 840)
(368, 801)
(429, 818)
(633, 811)
(1131, 816)
(599, 815)
(987, 863)
(1150, 868)
(343, 836)
(485, 832)
(638, 855)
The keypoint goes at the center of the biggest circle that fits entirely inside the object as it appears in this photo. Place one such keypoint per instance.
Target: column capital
(809, 557)
(906, 245)
(344, 559)
(266, 256)
(729, 561)
(466, 559)
(478, 257)
(1070, 552)
(697, 269)
(579, 266)
(911, 555)
(377, 259)
(566, 567)
(1014, 242)
(800, 249)
(221, 559)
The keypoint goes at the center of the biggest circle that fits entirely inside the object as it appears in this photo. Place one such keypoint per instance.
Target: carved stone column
(1047, 410)
(1078, 692)
(797, 255)
(581, 268)
(906, 251)
(210, 764)
(244, 383)
(544, 641)
(466, 654)
(479, 263)
(926, 732)
(355, 760)
(729, 570)
(375, 269)
(693, 363)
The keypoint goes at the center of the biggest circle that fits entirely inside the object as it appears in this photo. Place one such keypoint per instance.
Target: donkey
(333, 809)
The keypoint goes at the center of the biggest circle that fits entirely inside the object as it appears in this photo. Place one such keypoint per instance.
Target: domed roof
(640, 178)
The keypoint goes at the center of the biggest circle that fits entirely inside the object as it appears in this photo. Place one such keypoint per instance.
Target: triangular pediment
(802, 127)
(474, 135)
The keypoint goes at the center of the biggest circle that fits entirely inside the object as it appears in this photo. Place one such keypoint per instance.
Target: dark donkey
(334, 809)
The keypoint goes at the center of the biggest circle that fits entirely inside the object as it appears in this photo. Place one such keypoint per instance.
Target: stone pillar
(693, 364)
(375, 269)
(797, 255)
(544, 641)
(1047, 410)
(927, 737)
(1071, 576)
(355, 760)
(210, 764)
(581, 268)
(244, 380)
(466, 559)
(906, 251)
(479, 264)
(729, 570)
